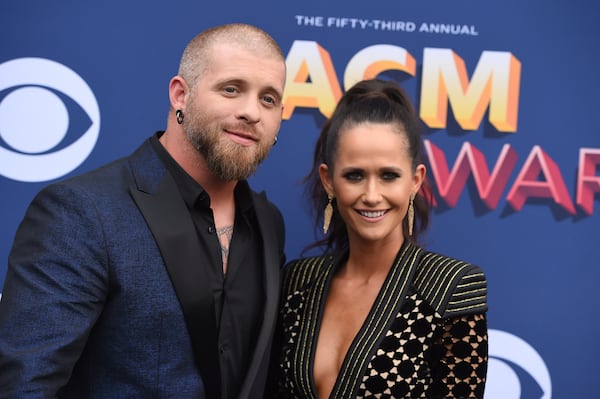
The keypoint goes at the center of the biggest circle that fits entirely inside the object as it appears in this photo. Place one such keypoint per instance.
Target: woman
(376, 315)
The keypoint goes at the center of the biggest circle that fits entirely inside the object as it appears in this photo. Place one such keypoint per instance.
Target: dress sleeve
(463, 344)
(463, 357)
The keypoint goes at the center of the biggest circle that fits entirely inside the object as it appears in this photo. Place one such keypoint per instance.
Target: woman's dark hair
(368, 101)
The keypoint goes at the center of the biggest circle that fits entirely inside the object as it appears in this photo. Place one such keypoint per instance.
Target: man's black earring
(275, 141)
(179, 115)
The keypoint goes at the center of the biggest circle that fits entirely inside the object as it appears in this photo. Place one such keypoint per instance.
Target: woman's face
(372, 180)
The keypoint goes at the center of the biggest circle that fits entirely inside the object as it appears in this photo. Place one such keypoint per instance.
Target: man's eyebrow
(230, 81)
(242, 83)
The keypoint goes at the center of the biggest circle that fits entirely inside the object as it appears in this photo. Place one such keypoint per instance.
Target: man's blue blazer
(104, 291)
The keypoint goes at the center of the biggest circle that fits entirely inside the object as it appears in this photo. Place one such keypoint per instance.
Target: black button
(211, 229)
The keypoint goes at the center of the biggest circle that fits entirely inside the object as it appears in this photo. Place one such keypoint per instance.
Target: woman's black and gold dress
(424, 337)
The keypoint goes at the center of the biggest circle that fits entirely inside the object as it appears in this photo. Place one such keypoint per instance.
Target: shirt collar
(193, 193)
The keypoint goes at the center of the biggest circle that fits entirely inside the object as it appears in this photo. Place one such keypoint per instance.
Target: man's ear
(178, 92)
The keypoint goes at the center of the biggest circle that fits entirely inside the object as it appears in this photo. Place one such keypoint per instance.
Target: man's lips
(243, 138)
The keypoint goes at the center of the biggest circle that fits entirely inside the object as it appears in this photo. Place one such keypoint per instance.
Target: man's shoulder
(104, 180)
(142, 155)
(263, 204)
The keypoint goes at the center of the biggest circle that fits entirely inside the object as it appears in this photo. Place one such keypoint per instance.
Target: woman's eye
(353, 176)
(230, 90)
(390, 176)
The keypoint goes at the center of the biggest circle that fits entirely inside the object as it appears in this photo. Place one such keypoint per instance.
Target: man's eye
(230, 90)
(270, 100)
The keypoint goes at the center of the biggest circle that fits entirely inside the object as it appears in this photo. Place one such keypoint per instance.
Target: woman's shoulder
(451, 286)
(299, 272)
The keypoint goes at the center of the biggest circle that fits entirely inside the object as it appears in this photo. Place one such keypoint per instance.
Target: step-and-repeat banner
(507, 92)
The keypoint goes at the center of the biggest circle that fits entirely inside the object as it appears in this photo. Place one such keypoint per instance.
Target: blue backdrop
(506, 91)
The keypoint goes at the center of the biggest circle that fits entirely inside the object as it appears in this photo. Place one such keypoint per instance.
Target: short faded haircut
(196, 55)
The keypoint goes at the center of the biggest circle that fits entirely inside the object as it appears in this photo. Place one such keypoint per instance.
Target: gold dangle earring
(327, 214)
(411, 214)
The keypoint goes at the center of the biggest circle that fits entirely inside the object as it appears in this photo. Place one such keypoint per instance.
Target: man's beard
(227, 160)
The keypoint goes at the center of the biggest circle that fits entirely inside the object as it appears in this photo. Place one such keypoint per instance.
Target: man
(157, 276)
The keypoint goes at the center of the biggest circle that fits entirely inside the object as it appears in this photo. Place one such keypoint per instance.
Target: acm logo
(34, 120)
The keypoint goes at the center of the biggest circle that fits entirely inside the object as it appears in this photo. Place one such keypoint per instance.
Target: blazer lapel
(272, 265)
(387, 304)
(175, 234)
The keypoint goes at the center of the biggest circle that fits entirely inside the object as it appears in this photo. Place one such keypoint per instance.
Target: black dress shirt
(238, 296)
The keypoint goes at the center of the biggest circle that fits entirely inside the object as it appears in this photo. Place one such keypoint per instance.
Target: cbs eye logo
(515, 369)
(35, 142)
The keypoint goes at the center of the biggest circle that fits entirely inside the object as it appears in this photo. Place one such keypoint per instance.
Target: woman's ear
(419, 177)
(325, 178)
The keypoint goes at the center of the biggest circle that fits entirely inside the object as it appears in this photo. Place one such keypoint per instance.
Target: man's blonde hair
(196, 55)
